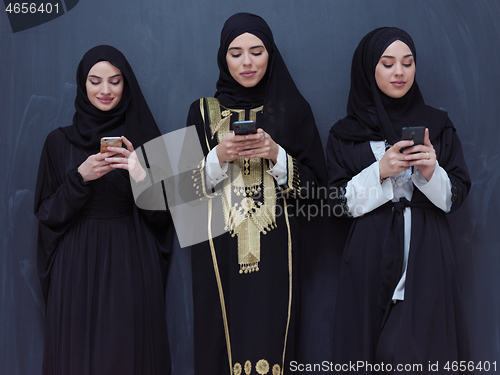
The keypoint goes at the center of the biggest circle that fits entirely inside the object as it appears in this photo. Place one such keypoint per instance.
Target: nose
(106, 88)
(246, 59)
(399, 70)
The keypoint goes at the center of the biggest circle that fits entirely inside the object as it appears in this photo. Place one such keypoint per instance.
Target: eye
(409, 64)
(387, 65)
(235, 55)
(115, 83)
(257, 53)
(94, 82)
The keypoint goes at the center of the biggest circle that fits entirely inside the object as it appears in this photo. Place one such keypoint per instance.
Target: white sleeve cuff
(214, 171)
(437, 189)
(279, 170)
(364, 193)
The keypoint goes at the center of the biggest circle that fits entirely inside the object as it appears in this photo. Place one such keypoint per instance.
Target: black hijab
(287, 115)
(374, 116)
(229, 92)
(131, 117)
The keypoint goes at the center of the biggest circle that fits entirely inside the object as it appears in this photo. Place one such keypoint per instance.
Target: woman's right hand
(394, 161)
(95, 166)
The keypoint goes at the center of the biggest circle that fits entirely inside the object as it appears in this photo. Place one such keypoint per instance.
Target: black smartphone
(415, 134)
(244, 127)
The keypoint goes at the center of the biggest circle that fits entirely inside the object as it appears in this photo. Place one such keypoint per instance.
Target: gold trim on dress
(237, 369)
(248, 367)
(199, 182)
(290, 285)
(253, 213)
(263, 217)
(202, 111)
(216, 266)
(293, 181)
(262, 367)
(219, 285)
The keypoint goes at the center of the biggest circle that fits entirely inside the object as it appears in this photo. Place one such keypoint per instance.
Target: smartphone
(244, 127)
(415, 134)
(110, 141)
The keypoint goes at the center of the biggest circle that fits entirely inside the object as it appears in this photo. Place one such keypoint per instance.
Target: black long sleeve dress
(249, 319)
(433, 327)
(102, 263)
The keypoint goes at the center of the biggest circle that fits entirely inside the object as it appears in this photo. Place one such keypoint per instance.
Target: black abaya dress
(246, 323)
(433, 327)
(102, 266)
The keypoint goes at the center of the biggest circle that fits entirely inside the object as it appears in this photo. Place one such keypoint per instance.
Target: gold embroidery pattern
(256, 212)
(223, 122)
(262, 367)
(199, 184)
(293, 177)
(248, 367)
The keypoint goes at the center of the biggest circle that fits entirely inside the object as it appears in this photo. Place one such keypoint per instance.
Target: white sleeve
(437, 189)
(214, 171)
(279, 170)
(364, 193)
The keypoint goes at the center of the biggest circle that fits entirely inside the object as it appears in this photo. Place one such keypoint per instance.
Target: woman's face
(104, 86)
(395, 71)
(247, 59)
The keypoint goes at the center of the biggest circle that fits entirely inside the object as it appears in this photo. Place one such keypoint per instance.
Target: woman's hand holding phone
(126, 158)
(393, 161)
(258, 145)
(95, 166)
(422, 156)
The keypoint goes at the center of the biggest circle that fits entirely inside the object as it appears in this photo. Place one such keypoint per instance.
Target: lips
(398, 83)
(248, 73)
(105, 100)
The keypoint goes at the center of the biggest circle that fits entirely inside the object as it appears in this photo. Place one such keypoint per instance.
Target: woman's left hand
(129, 161)
(422, 156)
(259, 145)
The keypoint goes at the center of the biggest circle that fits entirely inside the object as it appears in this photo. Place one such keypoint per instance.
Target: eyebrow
(242, 48)
(392, 57)
(94, 76)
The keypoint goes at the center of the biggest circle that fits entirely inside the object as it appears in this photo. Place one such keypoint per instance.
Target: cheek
(412, 76)
(263, 65)
(89, 89)
(119, 90)
(232, 65)
(379, 77)
(264, 61)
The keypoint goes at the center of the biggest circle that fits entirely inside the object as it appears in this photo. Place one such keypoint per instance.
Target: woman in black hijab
(245, 281)
(398, 301)
(101, 260)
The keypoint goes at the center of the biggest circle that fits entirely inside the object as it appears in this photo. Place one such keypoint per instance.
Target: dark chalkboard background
(172, 46)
